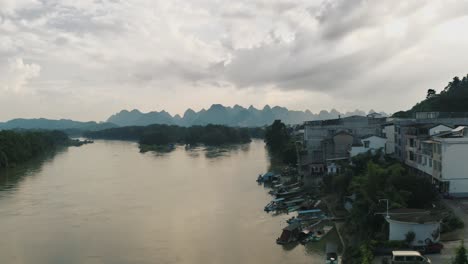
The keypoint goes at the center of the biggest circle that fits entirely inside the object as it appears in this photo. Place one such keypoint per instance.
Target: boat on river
(307, 215)
(290, 234)
(293, 192)
(274, 205)
(317, 234)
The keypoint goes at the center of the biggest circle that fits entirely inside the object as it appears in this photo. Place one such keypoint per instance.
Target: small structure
(333, 168)
(368, 143)
(424, 224)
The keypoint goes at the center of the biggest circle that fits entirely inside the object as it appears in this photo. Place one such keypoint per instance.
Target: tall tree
(460, 255)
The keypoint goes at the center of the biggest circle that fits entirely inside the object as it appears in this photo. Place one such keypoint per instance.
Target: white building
(425, 226)
(450, 161)
(370, 143)
(389, 134)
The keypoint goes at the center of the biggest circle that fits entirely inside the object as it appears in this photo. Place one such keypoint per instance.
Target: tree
(276, 136)
(430, 93)
(409, 237)
(460, 255)
(280, 143)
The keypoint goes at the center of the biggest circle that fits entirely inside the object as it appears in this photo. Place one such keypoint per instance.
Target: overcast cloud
(87, 59)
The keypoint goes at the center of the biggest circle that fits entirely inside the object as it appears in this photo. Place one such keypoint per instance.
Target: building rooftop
(419, 216)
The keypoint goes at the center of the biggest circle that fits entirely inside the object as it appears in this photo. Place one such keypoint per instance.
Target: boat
(289, 234)
(313, 234)
(289, 193)
(267, 177)
(274, 205)
(293, 208)
(259, 178)
(307, 215)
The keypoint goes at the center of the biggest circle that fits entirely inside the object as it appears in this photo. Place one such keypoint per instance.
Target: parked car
(406, 257)
(429, 248)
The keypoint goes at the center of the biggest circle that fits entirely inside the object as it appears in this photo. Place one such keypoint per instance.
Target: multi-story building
(438, 151)
(388, 132)
(434, 118)
(327, 141)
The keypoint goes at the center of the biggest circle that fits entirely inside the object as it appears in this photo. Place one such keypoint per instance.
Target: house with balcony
(439, 151)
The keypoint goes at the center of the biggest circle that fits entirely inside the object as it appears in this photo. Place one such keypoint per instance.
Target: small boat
(317, 235)
(289, 234)
(259, 178)
(293, 208)
(274, 205)
(289, 193)
(307, 215)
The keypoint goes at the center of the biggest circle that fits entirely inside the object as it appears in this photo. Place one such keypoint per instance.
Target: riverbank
(309, 221)
(17, 147)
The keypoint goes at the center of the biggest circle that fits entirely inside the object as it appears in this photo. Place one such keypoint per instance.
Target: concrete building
(388, 132)
(315, 132)
(450, 170)
(433, 118)
(424, 224)
(328, 141)
(369, 143)
(438, 151)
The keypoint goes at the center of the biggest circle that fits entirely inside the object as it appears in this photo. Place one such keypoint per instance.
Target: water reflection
(108, 203)
(11, 177)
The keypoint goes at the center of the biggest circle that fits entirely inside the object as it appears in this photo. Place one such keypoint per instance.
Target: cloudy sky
(87, 59)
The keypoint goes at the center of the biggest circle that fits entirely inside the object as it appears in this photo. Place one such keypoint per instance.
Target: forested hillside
(453, 98)
(166, 134)
(17, 147)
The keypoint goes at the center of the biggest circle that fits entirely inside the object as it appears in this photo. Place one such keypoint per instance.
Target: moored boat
(289, 234)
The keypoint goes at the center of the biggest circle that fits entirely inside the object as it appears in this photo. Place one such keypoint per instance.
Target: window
(366, 143)
(411, 155)
(414, 258)
(430, 163)
(399, 258)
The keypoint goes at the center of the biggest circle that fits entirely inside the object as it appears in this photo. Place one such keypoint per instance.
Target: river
(107, 203)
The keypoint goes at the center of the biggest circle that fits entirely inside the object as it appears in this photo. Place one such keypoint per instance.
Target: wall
(342, 144)
(398, 231)
(389, 133)
(455, 165)
(438, 129)
(375, 143)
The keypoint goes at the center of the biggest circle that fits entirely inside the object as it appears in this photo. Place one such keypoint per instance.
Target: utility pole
(380, 200)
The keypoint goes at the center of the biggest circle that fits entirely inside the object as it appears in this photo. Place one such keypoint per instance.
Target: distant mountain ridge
(51, 124)
(225, 115)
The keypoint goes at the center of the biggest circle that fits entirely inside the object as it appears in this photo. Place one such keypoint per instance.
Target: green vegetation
(17, 147)
(460, 255)
(452, 98)
(280, 143)
(160, 135)
(369, 179)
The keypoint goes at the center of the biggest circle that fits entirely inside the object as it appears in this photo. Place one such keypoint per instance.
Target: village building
(424, 224)
(368, 143)
(328, 141)
(388, 132)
